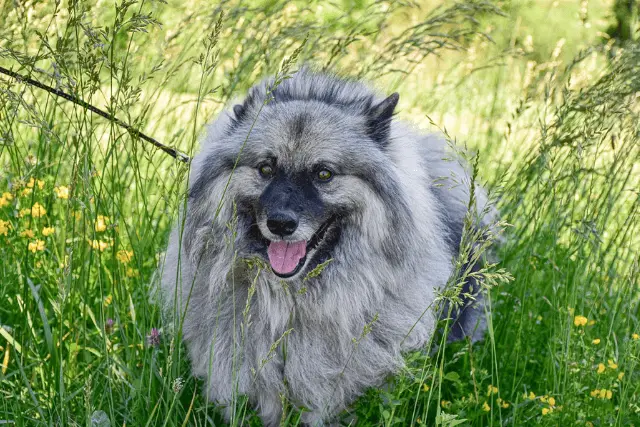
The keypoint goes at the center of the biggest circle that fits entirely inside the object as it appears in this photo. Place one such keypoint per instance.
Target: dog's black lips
(319, 234)
(262, 243)
(313, 243)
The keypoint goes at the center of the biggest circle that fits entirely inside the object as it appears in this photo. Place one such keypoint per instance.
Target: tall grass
(86, 206)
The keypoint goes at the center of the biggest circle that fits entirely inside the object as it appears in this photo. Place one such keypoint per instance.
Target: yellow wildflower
(612, 365)
(505, 405)
(38, 210)
(24, 212)
(4, 227)
(620, 376)
(591, 322)
(580, 320)
(485, 407)
(609, 394)
(552, 401)
(601, 368)
(445, 403)
(26, 192)
(594, 392)
(132, 272)
(596, 341)
(491, 390)
(99, 244)
(635, 337)
(544, 398)
(126, 256)
(62, 192)
(101, 223)
(546, 411)
(107, 300)
(532, 395)
(32, 182)
(47, 231)
(36, 245)
(425, 387)
(5, 199)
(588, 424)
(27, 233)
(77, 215)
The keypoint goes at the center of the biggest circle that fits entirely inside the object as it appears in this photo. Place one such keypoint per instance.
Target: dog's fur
(390, 225)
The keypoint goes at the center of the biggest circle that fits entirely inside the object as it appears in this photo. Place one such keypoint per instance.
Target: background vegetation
(545, 92)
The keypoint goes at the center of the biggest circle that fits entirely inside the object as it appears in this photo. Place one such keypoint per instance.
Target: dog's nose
(282, 223)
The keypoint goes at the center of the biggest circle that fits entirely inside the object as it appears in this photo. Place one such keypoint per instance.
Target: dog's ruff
(384, 223)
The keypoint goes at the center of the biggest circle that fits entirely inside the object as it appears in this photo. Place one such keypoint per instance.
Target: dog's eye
(325, 175)
(265, 170)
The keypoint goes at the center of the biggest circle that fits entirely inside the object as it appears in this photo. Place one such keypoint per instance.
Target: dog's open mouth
(287, 258)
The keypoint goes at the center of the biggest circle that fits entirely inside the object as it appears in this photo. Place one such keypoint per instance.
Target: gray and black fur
(385, 231)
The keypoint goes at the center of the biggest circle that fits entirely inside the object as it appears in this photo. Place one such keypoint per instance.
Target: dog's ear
(379, 118)
(239, 111)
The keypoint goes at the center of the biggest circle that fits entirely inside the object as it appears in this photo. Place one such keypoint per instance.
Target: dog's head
(303, 167)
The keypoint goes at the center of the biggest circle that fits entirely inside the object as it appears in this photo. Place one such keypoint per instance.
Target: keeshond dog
(317, 232)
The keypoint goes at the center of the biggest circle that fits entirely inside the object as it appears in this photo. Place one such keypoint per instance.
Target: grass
(550, 108)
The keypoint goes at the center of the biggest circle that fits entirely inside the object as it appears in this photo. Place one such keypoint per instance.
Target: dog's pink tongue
(284, 256)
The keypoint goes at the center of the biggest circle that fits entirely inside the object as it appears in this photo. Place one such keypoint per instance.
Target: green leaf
(448, 420)
(452, 376)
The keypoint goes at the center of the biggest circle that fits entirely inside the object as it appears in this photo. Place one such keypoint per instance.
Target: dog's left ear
(239, 111)
(379, 118)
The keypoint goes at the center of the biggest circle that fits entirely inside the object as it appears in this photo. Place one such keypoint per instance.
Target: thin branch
(170, 151)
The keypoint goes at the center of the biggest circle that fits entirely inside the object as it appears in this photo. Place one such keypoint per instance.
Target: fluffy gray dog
(312, 220)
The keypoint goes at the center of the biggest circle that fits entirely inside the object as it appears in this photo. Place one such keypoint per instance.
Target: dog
(315, 236)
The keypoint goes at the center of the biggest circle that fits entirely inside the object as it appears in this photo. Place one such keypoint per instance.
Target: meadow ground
(536, 89)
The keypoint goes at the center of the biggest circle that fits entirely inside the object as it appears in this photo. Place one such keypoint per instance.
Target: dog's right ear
(239, 111)
(379, 118)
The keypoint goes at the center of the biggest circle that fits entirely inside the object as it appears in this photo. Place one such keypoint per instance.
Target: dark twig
(170, 151)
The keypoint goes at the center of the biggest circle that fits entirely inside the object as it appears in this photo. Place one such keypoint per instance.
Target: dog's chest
(272, 311)
(292, 341)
